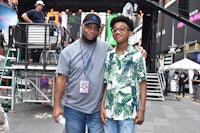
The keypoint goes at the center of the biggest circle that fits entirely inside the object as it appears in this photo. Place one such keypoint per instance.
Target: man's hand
(56, 112)
(143, 51)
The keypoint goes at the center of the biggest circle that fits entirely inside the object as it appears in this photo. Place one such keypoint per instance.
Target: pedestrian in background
(183, 78)
(34, 16)
(196, 87)
(2, 40)
(175, 81)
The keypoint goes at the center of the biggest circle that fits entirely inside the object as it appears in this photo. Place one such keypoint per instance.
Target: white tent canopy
(184, 64)
(187, 65)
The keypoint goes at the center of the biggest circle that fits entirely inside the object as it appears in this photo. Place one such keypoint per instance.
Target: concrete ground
(175, 115)
(33, 118)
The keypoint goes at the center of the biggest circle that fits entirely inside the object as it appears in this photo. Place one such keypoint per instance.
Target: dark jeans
(76, 121)
(181, 89)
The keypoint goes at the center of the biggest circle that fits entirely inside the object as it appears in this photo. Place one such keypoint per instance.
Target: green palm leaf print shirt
(122, 75)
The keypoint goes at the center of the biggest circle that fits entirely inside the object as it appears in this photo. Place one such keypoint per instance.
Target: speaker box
(183, 8)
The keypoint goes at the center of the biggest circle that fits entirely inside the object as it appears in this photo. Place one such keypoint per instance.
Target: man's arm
(46, 20)
(26, 18)
(197, 80)
(186, 79)
(143, 51)
(61, 81)
(140, 115)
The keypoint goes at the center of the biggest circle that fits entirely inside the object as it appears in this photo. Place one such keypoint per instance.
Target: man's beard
(85, 39)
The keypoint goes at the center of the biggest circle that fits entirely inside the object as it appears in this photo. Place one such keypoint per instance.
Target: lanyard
(85, 66)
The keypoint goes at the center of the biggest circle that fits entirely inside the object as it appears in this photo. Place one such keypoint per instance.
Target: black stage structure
(150, 17)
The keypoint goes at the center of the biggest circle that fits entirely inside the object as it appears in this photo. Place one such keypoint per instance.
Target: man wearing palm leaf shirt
(124, 99)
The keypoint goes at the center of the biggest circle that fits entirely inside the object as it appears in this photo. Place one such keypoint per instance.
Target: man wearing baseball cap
(35, 15)
(92, 18)
(80, 76)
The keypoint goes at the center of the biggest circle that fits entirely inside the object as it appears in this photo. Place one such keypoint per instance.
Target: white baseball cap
(39, 2)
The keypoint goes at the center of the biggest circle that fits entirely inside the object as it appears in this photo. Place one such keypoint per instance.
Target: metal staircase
(155, 86)
(6, 74)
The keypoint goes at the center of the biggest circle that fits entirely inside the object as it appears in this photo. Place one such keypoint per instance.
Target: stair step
(152, 98)
(152, 80)
(12, 49)
(6, 87)
(8, 67)
(153, 86)
(148, 83)
(154, 94)
(154, 91)
(5, 97)
(152, 73)
(7, 77)
(11, 58)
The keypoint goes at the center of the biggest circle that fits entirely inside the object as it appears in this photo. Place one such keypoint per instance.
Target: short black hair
(124, 19)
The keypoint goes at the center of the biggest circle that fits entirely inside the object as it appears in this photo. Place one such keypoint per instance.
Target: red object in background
(2, 51)
(4, 80)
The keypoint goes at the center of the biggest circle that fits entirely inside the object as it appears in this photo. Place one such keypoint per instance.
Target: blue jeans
(114, 126)
(76, 121)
